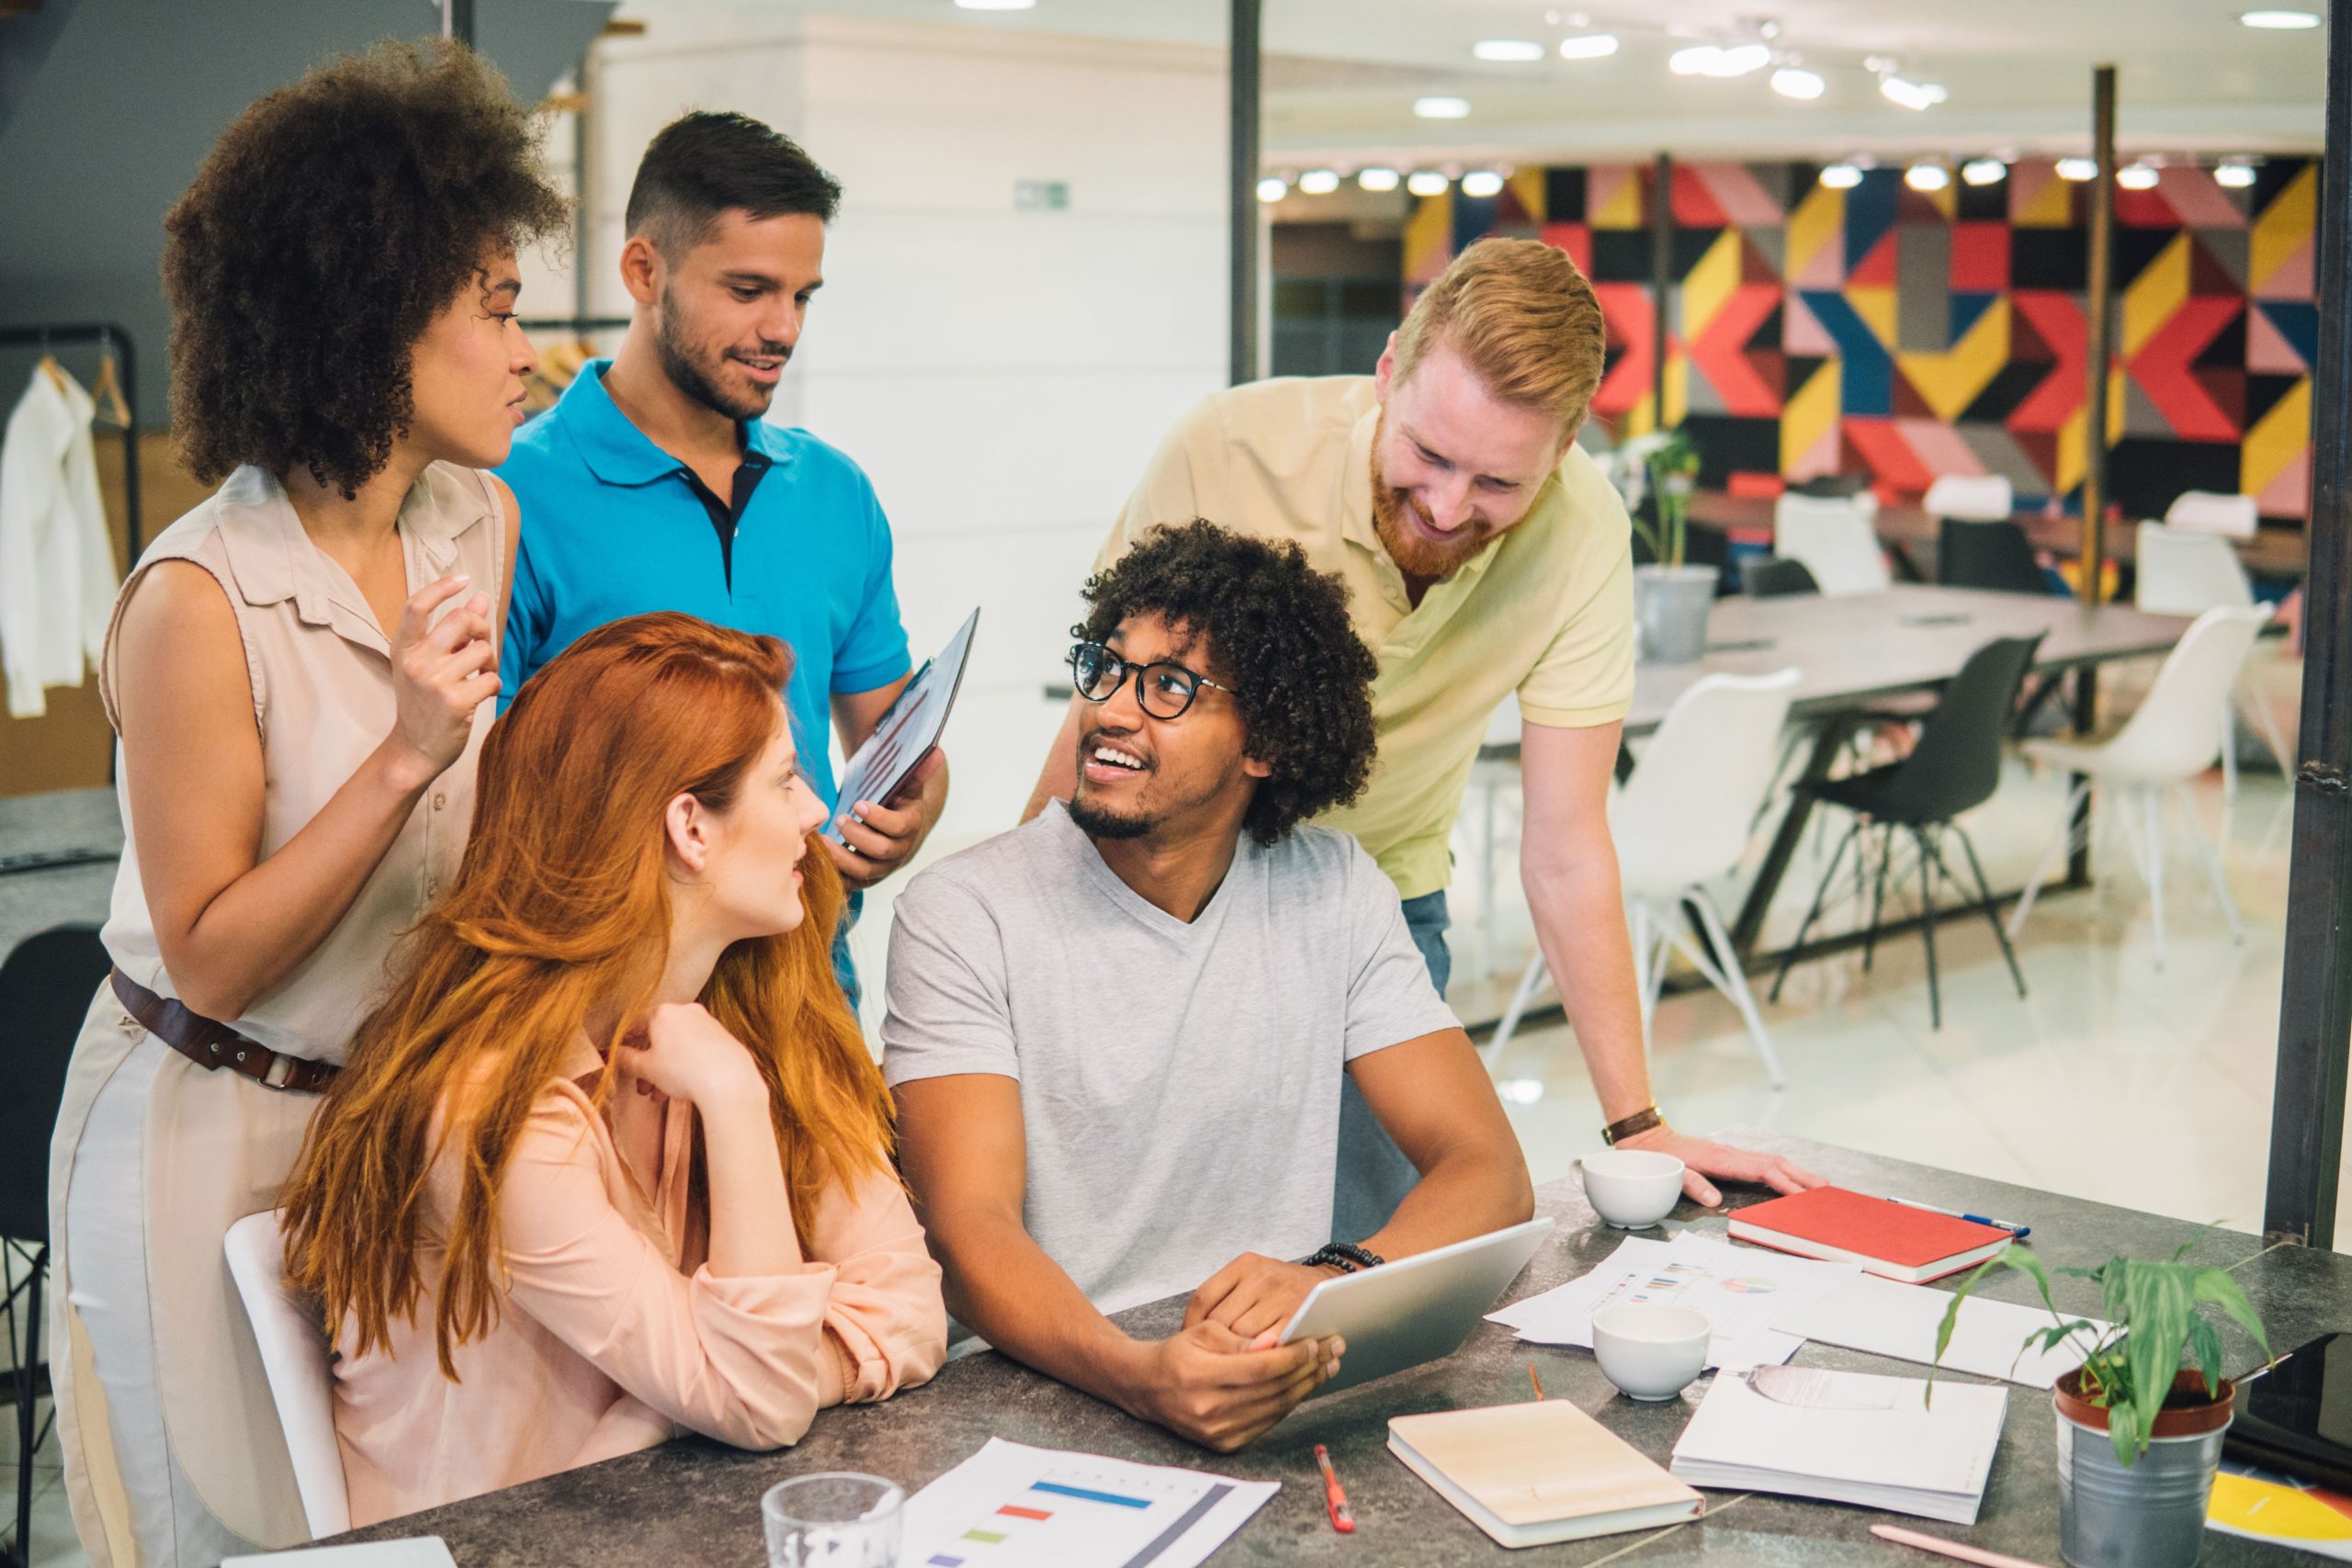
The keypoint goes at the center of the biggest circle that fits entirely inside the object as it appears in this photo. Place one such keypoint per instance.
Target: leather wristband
(1641, 1120)
(1343, 1256)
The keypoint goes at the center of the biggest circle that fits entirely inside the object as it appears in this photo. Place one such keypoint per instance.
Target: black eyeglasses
(1165, 689)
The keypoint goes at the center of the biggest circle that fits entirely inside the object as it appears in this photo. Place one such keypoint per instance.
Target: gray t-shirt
(1180, 1083)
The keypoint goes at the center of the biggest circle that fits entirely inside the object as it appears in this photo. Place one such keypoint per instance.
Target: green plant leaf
(2156, 1305)
(2123, 1432)
(2205, 1344)
(2217, 1287)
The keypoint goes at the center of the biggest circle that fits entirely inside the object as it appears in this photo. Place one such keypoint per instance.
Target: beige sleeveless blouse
(220, 1145)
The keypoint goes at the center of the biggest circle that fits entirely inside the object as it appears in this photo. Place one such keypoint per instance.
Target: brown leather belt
(211, 1044)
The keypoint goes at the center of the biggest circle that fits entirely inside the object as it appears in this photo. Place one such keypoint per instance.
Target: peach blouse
(612, 1333)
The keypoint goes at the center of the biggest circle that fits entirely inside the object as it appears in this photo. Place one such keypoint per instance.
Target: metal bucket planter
(2152, 1515)
(1671, 604)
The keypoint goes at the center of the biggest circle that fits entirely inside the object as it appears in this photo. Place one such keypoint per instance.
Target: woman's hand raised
(441, 674)
(688, 1054)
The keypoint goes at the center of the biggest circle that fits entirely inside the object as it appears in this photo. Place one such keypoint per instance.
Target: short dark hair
(703, 163)
(1280, 633)
(329, 225)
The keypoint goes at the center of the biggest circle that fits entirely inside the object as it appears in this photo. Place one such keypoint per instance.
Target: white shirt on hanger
(57, 568)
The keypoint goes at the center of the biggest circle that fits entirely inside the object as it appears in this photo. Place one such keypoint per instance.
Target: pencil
(1533, 1379)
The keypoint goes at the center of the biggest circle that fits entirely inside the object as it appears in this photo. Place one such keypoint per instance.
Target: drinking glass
(835, 1519)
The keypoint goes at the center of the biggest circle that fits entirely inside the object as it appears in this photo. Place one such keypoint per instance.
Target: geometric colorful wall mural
(1906, 334)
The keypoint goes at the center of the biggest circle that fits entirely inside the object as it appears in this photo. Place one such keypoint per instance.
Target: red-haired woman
(499, 1204)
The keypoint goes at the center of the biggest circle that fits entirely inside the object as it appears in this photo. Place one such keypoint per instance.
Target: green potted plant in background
(1670, 599)
(2139, 1432)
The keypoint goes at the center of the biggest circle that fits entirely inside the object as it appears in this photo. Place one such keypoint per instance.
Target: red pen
(1335, 1496)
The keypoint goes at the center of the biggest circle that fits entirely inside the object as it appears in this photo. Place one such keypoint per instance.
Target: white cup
(1650, 1352)
(1631, 1189)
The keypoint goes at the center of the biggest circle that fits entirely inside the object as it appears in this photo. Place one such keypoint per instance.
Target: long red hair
(562, 907)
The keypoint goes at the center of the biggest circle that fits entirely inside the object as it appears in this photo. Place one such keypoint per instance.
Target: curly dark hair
(1280, 633)
(326, 229)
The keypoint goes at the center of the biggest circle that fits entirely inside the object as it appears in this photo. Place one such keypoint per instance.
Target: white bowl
(1631, 1189)
(1650, 1352)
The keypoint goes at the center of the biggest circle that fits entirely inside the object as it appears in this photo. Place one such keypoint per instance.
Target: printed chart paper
(1011, 1505)
(1743, 1291)
(1887, 1317)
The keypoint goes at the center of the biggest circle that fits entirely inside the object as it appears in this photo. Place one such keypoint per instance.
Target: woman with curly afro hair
(300, 673)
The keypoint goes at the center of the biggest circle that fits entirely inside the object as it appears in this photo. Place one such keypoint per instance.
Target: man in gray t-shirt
(1117, 1035)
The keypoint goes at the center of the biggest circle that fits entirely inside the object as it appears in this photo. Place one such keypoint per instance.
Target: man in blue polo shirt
(655, 483)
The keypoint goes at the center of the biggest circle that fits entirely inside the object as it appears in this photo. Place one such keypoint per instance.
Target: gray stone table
(695, 1501)
(69, 839)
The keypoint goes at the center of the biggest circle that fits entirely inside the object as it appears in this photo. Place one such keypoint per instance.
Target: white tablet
(1415, 1309)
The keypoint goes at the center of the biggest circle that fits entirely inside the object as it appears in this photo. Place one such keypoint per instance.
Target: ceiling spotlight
(1741, 59)
(1514, 51)
(1273, 187)
(2139, 176)
(1694, 60)
(2280, 21)
(2236, 174)
(1482, 183)
(1841, 176)
(1441, 108)
(1912, 94)
(1317, 182)
(1927, 176)
(1795, 82)
(1588, 46)
(2077, 169)
(1377, 178)
(1984, 171)
(1428, 182)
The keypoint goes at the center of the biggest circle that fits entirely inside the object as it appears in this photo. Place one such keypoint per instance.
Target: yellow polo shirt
(1547, 611)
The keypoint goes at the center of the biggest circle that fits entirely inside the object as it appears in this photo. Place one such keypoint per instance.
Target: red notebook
(1893, 1240)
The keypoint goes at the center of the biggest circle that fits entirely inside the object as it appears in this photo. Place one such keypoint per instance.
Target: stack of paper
(1013, 1506)
(1744, 1293)
(1847, 1438)
(1539, 1471)
(1890, 1319)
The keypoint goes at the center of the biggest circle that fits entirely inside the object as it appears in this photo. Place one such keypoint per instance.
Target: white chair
(1835, 538)
(1681, 822)
(2187, 573)
(2207, 512)
(2168, 741)
(1972, 498)
(297, 1359)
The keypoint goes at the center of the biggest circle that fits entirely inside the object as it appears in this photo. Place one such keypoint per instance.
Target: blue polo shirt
(613, 526)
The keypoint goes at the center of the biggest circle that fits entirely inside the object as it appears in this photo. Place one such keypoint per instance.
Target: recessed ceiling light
(1513, 50)
(2236, 175)
(1273, 187)
(1588, 46)
(1317, 182)
(1427, 182)
(2282, 21)
(1841, 176)
(1442, 109)
(1377, 178)
(1713, 59)
(2077, 169)
(1694, 60)
(2139, 176)
(995, 5)
(1795, 82)
(1984, 171)
(1482, 183)
(1912, 94)
(1927, 176)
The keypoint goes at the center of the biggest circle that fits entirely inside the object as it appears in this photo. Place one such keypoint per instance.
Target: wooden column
(2316, 994)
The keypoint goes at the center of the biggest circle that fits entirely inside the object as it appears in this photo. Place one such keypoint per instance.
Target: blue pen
(2018, 1231)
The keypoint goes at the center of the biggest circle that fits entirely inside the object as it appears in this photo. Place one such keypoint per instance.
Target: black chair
(1994, 555)
(1772, 577)
(45, 989)
(1955, 766)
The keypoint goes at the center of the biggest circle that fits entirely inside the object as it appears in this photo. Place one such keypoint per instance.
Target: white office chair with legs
(1971, 498)
(2185, 573)
(2209, 511)
(1681, 822)
(1836, 537)
(2168, 741)
(298, 1361)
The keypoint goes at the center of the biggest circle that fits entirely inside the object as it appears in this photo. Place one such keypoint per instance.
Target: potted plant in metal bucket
(1670, 599)
(2139, 1432)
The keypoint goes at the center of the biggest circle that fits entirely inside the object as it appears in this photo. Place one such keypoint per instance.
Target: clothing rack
(118, 342)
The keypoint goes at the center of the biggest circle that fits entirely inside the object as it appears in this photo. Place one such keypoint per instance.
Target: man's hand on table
(1722, 1161)
(883, 838)
(1253, 1294)
(1220, 1390)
